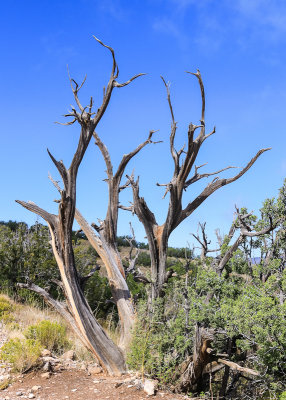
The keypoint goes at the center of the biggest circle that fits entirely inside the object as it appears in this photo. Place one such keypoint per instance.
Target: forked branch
(215, 185)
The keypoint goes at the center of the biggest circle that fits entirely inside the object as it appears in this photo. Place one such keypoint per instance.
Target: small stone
(36, 388)
(58, 367)
(46, 375)
(68, 355)
(118, 384)
(96, 381)
(83, 366)
(129, 386)
(138, 383)
(19, 393)
(47, 367)
(150, 387)
(46, 353)
(74, 390)
(94, 370)
(31, 396)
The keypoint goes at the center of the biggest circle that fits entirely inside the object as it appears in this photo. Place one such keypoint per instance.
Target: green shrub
(144, 259)
(51, 335)
(7, 318)
(5, 306)
(159, 345)
(22, 354)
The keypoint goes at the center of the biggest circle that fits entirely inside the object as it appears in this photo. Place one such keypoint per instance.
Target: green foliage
(250, 311)
(159, 344)
(123, 241)
(50, 335)
(22, 354)
(6, 307)
(137, 289)
(179, 252)
(25, 252)
(144, 259)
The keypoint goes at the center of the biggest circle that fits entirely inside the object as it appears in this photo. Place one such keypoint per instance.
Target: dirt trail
(77, 385)
(73, 384)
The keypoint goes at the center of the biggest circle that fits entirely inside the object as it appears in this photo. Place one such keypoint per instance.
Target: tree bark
(60, 226)
(118, 285)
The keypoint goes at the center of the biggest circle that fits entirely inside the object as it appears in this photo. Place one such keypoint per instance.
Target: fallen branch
(236, 367)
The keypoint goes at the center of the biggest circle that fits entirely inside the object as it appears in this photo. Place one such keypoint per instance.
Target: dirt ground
(78, 385)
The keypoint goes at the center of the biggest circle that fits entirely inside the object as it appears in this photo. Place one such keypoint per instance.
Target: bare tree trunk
(91, 333)
(118, 285)
(158, 235)
(60, 226)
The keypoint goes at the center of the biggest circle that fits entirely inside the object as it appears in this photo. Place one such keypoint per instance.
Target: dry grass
(25, 315)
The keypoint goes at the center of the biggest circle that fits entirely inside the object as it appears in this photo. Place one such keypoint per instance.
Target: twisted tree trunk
(79, 314)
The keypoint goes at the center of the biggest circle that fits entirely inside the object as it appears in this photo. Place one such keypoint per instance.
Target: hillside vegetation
(239, 313)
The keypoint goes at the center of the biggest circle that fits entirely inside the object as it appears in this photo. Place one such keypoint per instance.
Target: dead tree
(158, 235)
(245, 231)
(205, 360)
(204, 242)
(60, 226)
(103, 238)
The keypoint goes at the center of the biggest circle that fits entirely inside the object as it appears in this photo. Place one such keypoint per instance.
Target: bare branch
(115, 70)
(76, 89)
(173, 127)
(50, 218)
(215, 185)
(127, 157)
(237, 367)
(116, 84)
(197, 176)
(126, 208)
(67, 123)
(105, 154)
(141, 209)
(209, 134)
(198, 75)
(55, 183)
(167, 86)
(61, 168)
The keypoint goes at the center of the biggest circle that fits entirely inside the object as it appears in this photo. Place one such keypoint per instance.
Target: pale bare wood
(108, 353)
(237, 367)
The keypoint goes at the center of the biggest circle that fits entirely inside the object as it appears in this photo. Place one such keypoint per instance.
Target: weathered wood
(237, 367)
(60, 226)
(158, 235)
(120, 291)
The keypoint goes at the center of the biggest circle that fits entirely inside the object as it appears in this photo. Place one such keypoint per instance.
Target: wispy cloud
(114, 8)
(172, 28)
(269, 14)
(245, 22)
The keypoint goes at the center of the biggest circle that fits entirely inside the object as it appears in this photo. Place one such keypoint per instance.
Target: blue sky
(239, 47)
